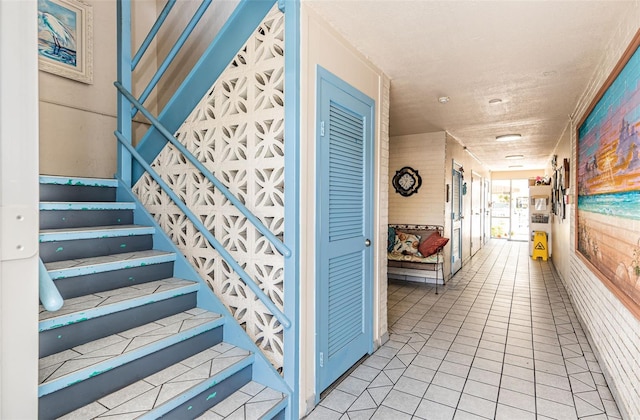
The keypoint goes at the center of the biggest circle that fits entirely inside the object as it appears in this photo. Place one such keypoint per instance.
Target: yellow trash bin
(540, 248)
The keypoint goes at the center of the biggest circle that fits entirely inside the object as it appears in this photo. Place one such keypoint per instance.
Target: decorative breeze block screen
(237, 132)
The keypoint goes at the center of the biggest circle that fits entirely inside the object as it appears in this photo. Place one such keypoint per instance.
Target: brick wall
(383, 170)
(426, 154)
(613, 331)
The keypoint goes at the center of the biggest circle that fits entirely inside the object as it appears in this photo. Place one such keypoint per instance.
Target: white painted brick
(614, 333)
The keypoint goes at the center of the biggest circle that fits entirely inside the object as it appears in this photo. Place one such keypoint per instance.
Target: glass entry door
(510, 209)
(519, 210)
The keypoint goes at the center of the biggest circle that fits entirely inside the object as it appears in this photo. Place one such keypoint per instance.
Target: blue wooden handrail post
(291, 336)
(124, 77)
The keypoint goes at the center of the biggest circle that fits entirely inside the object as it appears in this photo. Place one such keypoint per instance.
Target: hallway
(500, 341)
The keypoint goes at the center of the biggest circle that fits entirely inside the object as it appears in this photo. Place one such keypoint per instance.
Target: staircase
(139, 335)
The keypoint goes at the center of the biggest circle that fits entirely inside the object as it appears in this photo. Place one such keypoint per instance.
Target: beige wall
(560, 238)
(518, 174)
(426, 154)
(432, 154)
(206, 30)
(77, 120)
(613, 331)
(321, 45)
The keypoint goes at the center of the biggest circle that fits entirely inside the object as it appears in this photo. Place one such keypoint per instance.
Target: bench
(405, 262)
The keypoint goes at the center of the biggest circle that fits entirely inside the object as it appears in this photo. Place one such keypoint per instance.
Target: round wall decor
(406, 181)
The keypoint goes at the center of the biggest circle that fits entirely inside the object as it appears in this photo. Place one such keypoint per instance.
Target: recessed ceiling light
(508, 137)
(515, 166)
(444, 99)
(514, 157)
(495, 101)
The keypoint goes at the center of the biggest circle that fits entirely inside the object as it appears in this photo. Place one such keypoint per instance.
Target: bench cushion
(432, 244)
(406, 243)
(395, 256)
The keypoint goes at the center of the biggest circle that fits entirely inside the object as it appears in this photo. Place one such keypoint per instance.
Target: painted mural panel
(608, 175)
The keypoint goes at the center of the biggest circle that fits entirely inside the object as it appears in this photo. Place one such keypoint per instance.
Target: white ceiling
(536, 56)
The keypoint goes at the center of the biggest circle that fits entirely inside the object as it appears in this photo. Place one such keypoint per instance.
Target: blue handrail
(284, 320)
(275, 241)
(172, 53)
(49, 295)
(152, 33)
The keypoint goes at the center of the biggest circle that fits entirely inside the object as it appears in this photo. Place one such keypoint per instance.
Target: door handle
(367, 242)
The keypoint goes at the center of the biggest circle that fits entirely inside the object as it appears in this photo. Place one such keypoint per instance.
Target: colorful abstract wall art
(608, 182)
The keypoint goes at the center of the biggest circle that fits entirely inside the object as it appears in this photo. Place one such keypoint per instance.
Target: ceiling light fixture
(495, 101)
(515, 166)
(514, 157)
(444, 99)
(508, 137)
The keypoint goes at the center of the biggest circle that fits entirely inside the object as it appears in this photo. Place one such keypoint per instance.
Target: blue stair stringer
(140, 333)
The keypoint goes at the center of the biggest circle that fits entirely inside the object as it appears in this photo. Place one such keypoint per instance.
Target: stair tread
(134, 258)
(111, 230)
(251, 402)
(82, 304)
(80, 181)
(104, 350)
(87, 205)
(155, 390)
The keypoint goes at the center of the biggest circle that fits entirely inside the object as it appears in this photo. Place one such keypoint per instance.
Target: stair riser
(61, 219)
(217, 393)
(68, 336)
(99, 282)
(85, 248)
(75, 396)
(84, 193)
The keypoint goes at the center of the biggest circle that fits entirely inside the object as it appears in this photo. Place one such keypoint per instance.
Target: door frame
(323, 75)
(456, 167)
(476, 214)
(19, 196)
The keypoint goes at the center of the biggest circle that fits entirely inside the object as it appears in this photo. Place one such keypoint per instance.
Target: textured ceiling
(536, 56)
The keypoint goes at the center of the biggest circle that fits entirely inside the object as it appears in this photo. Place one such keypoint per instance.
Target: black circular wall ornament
(406, 181)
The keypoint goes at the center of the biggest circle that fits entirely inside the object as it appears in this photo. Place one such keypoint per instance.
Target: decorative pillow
(431, 245)
(406, 243)
(391, 239)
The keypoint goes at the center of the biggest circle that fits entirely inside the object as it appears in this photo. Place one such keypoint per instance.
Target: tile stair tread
(79, 181)
(94, 228)
(87, 205)
(136, 258)
(251, 402)
(107, 349)
(85, 303)
(153, 391)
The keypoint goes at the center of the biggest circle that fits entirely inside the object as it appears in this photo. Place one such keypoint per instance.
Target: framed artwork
(608, 182)
(65, 39)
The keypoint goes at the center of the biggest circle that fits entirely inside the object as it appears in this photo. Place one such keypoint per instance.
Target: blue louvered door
(345, 207)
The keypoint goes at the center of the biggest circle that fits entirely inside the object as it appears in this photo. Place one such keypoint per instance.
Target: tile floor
(501, 341)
